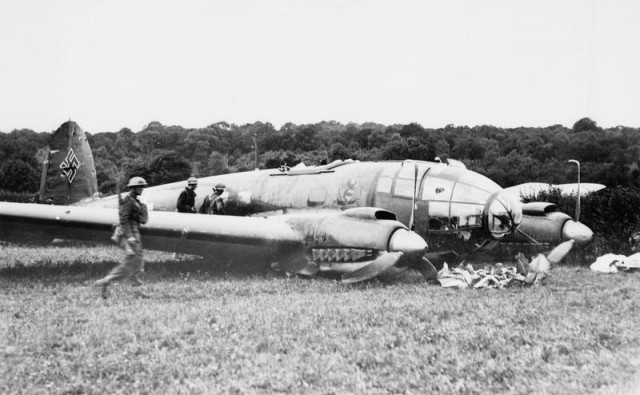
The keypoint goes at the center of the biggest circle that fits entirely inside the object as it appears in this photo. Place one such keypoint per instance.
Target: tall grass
(217, 328)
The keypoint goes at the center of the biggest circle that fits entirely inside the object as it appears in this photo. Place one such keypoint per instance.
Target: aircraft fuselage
(452, 202)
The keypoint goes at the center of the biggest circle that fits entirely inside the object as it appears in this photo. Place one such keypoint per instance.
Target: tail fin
(68, 172)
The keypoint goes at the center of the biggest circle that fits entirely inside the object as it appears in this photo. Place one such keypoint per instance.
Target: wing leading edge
(306, 244)
(166, 231)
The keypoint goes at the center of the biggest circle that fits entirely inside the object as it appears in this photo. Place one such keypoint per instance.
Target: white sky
(123, 63)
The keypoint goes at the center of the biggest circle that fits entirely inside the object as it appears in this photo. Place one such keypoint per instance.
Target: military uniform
(132, 213)
(213, 204)
(186, 201)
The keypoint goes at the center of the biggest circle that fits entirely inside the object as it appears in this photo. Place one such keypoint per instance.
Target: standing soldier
(187, 199)
(132, 214)
(213, 204)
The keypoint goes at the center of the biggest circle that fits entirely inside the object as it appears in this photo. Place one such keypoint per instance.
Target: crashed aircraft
(356, 219)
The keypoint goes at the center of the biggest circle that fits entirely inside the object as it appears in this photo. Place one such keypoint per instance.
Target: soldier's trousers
(131, 268)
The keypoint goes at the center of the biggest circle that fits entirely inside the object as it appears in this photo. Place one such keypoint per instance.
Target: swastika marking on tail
(70, 165)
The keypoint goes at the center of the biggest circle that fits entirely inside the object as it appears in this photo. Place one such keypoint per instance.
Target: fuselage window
(480, 182)
(404, 187)
(464, 215)
(407, 178)
(469, 194)
(384, 184)
(439, 215)
(436, 188)
(385, 181)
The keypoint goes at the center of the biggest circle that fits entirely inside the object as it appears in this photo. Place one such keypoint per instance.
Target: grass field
(227, 329)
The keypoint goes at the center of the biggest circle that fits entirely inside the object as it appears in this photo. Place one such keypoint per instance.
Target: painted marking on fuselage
(349, 192)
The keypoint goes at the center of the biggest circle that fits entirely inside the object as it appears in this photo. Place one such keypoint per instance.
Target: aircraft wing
(534, 188)
(305, 244)
(165, 231)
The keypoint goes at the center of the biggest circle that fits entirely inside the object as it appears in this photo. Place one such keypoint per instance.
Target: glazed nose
(577, 231)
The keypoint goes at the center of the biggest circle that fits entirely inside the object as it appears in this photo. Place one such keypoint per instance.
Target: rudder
(68, 172)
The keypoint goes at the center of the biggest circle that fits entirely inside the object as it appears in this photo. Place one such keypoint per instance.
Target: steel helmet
(192, 181)
(219, 186)
(136, 182)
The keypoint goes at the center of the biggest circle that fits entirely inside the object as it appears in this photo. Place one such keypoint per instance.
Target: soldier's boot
(103, 284)
(141, 294)
(135, 281)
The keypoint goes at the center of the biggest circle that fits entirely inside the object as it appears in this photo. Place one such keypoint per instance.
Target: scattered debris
(523, 273)
(497, 276)
(612, 263)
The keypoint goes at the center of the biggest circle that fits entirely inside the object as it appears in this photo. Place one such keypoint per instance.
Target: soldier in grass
(132, 214)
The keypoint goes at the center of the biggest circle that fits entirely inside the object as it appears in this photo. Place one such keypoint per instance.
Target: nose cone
(407, 242)
(577, 231)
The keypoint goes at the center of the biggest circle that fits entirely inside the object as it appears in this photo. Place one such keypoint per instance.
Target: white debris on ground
(613, 263)
(524, 273)
(498, 276)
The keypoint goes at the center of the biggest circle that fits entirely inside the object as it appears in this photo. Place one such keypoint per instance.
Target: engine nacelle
(351, 229)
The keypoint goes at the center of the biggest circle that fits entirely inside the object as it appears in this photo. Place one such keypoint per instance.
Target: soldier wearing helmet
(214, 204)
(187, 199)
(132, 214)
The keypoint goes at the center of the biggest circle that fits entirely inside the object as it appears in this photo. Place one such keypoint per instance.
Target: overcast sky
(114, 64)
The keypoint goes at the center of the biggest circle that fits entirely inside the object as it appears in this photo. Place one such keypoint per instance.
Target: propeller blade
(437, 259)
(426, 268)
(373, 269)
(522, 265)
(558, 253)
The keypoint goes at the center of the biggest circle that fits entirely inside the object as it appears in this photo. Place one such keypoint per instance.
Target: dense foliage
(508, 156)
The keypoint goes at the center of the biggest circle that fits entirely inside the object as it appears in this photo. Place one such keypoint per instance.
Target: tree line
(508, 156)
